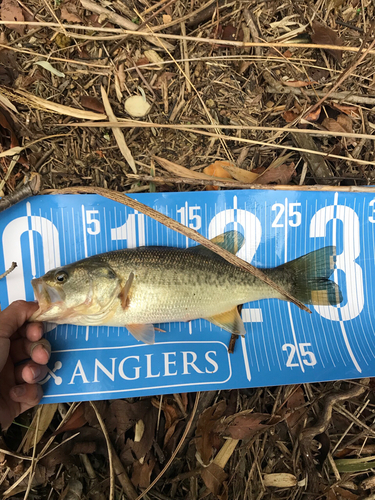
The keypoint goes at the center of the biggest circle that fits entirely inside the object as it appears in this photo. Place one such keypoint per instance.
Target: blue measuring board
(283, 344)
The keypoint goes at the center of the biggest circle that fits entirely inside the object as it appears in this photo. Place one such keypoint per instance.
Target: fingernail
(36, 371)
(18, 391)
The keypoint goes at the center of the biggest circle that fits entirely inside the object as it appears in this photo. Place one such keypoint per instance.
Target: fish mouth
(49, 299)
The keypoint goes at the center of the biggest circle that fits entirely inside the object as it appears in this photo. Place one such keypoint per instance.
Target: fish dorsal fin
(231, 240)
(143, 333)
(125, 291)
(230, 321)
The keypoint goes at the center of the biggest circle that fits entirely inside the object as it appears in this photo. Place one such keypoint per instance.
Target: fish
(136, 288)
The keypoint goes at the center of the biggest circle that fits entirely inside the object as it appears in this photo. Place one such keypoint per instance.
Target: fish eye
(61, 276)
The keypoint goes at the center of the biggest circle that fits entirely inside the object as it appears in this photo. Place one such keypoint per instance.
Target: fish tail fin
(310, 277)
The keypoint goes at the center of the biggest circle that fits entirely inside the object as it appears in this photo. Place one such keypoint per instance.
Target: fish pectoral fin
(231, 240)
(143, 333)
(230, 321)
(123, 295)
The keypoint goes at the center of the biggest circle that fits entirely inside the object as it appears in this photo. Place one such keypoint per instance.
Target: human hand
(20, 341)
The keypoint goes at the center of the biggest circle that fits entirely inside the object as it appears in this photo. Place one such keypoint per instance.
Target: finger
(32, 331)
(26, 395)
(30, 372)
(14, 316)
(22, 349)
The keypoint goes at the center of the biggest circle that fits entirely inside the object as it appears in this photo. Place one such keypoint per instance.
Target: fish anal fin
(230, 321)
(231, 240)
(143, 333)
(124, 293)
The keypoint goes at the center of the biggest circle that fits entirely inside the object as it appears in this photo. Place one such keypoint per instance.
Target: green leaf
(355, 464)
(46, 65)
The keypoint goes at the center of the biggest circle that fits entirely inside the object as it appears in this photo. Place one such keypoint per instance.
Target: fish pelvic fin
(232, 241)
(310, 274)
(143, 333)
(230, 321)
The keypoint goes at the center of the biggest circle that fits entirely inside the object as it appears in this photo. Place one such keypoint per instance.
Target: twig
(341, 96)
(342, 78)
(109, 447)
(121, 21)
(8, 271)
(119, 136)
(180, 228)
(251, 141)
(307, 435)
(31, 187)
(174, 454)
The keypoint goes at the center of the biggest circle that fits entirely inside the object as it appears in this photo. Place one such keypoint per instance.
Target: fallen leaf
(167, 18)
(119, 136)
(154, 57)
(141, 475)
(287, 54)
(326, 36)
(213, 477)
(298, 83)
(296, 414)
(352, 111)
(123, 415)
(11, 11)
(92, 103)
(181, 171)
(205, 439)
(216, 170)
(343, 123)
(69, 13)
(280, 480)
(48, 66)
(76, 421)
(281, 174)
(313, 116)
(5, 124)
(142, 61)
(243, 425)
(290, 116)
(229, 32)
(39, 425)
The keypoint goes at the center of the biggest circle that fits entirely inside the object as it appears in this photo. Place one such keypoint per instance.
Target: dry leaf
(154, 57)
(167, 19)
(243, 425)
(60, 108)
(213, 477)
(184, 172)
(325, 36)
(314, 115)
(119, 136)
(342, 124)
(298, 83)
(290, 116)
(295, 419)
(352, 111)
(205, 439)
(69, 13)
(39, 425)
(141, 476)
(280, 174)
(218, 168)
(92, 103)
(280, 480)
(11, 11)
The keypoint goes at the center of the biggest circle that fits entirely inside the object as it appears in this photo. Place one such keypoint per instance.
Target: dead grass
(212, 99)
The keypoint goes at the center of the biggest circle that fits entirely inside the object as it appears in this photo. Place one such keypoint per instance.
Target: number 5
(90, 219)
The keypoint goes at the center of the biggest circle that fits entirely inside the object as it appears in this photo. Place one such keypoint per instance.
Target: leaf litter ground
(220, 117)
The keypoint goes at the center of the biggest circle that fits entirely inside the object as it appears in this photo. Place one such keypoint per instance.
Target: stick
(122, 21)
(31, 187)
(186, 231)
(8, 271)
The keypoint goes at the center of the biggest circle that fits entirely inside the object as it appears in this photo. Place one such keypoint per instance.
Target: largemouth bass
(138, 287)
